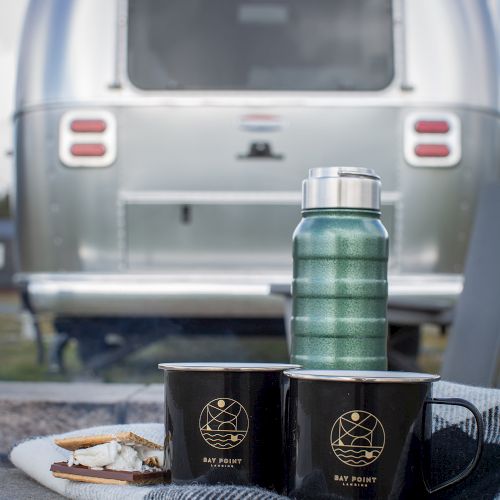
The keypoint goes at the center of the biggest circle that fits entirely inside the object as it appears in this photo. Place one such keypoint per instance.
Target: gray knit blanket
(453, 447)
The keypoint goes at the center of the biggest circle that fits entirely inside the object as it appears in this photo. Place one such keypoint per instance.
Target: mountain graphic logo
(223, 423)
(357, 438)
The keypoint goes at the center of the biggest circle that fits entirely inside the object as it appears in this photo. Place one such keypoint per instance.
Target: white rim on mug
(362, 376)
(228, 367)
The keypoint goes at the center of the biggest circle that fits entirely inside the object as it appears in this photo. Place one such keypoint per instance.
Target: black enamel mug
(224, 423)
(355, 434)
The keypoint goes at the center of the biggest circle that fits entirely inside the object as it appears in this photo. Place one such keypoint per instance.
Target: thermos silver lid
(341, 187)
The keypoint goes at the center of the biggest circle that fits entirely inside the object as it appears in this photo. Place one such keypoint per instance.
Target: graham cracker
(102, 480)
(77, 443)
(89, 479)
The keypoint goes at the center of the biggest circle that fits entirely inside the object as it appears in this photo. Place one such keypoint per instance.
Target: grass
(18, 362)
(18, 356)
(142, 365)
(432, 347)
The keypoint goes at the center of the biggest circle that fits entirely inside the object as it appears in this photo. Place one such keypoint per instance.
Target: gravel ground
(17, 485)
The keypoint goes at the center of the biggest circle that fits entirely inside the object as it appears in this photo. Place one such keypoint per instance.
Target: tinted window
(260, 45)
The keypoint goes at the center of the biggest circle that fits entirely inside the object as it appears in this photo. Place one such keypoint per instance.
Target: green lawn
(18, 357)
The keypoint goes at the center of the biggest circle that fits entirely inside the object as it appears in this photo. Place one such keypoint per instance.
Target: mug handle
(479, 448)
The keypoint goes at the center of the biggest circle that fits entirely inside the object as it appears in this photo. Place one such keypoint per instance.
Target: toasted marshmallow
(112, 455)
(153, 458)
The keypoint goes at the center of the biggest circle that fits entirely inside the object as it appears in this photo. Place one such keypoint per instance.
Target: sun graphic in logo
(223, 423)
(357, 438)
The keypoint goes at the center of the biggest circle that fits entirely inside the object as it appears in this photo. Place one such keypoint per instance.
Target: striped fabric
(487, 401)
(211, 493)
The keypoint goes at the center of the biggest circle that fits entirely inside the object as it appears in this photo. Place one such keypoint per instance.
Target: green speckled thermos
(340, 251)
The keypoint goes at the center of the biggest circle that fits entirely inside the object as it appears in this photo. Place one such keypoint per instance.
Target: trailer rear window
(260, 44)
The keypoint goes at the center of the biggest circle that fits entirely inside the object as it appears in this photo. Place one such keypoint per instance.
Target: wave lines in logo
(223, 423)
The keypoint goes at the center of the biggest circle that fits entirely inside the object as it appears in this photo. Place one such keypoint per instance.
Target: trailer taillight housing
(432, 139)
(87, 138)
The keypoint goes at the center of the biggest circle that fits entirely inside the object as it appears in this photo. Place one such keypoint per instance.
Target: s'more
(121, 458)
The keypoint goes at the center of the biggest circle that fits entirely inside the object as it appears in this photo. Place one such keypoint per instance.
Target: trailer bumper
(190, 295)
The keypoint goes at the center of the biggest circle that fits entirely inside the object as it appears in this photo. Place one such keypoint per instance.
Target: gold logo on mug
(223, 423)
(357, 438)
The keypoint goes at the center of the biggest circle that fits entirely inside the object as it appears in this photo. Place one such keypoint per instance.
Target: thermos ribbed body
(340, 290)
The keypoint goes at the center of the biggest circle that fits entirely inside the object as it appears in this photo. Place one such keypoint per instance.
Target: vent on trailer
(432, 139)
(87, 138)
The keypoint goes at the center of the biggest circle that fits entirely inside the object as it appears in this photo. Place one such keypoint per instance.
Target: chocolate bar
(106, 476)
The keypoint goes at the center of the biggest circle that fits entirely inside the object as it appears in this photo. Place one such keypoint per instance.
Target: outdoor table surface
(16, 484)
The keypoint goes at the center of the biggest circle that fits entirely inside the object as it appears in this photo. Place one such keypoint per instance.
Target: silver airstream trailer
(161, 145)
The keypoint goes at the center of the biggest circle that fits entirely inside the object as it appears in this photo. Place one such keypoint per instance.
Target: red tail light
(432, 150)
(88, 126)
(88, 150)
(432, 127)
